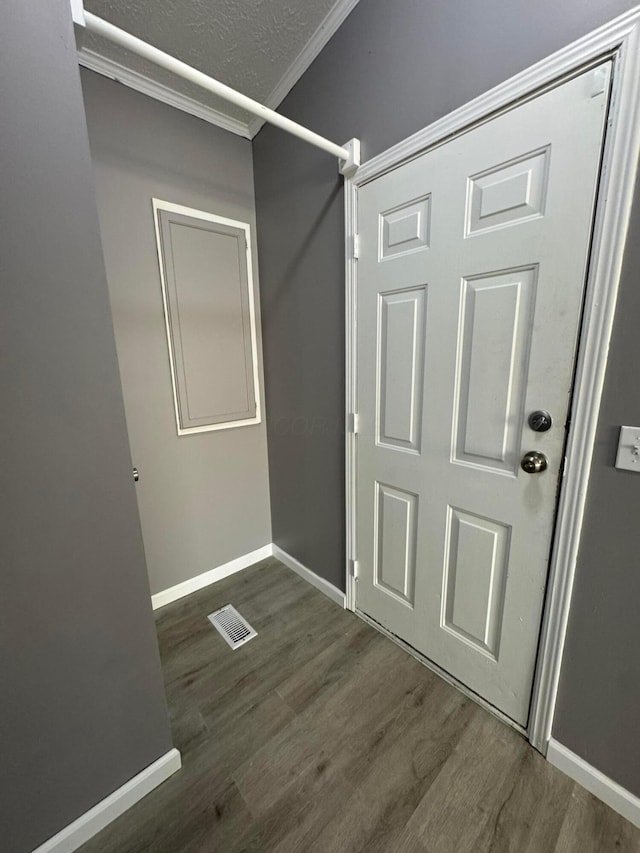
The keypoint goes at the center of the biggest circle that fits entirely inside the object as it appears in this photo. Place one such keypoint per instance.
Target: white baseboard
(213, 575)
(90, 823)
(594, 781)
(329, 589)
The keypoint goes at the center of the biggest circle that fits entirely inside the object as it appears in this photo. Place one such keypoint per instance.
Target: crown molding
(141, 83)
(327, 28)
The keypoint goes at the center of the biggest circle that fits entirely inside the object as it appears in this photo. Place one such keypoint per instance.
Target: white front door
(469, 291)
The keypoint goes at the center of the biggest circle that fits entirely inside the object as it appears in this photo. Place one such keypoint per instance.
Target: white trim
(615, 196)
(327, 28)
(90, 823)
(547, 72)
(159, 205)
(147, 51)
(621, 39)
(159, 92)
(311, 577)
(160, 599)
(141, 83)
(601, 786)
(351, 385)
(212, 576)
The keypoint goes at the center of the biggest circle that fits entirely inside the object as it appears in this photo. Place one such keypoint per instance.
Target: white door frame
(619, 39)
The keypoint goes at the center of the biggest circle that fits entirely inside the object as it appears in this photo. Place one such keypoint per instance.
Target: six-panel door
(470, 281)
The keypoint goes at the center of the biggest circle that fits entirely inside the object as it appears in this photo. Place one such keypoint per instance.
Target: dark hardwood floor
(321, 735)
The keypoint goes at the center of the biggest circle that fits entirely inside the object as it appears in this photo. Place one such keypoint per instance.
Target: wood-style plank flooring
(321, 735)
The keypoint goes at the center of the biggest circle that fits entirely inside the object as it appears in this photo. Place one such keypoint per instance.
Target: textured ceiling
(247, 44)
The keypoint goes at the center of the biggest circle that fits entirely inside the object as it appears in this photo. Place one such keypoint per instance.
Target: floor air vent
(235, 630)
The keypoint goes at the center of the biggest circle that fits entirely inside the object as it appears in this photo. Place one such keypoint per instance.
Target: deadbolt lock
(540, 420)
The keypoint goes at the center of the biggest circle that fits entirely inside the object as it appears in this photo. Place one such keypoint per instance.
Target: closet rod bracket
(349, 166)
(77, 13)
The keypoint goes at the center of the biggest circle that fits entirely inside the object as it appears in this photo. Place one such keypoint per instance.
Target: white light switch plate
(629, 449)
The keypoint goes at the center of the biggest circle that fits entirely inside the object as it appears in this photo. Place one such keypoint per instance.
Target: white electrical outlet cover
(629, 449)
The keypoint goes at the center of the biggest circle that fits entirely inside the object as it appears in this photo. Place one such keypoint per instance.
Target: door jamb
(619, 39)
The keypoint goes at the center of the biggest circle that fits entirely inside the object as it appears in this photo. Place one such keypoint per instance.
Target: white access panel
(207, 292)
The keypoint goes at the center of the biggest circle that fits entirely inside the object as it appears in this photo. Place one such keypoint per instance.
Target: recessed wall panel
(493, 360)
(475, 577)
(405, 228)
(509, 193)
(210, 323)
(400, 372)
(395, 526)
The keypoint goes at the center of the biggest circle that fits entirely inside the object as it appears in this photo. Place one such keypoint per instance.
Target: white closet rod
(349, 155)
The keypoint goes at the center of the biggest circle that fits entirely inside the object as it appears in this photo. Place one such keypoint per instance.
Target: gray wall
(598, 711)
(82, 707)
(390, 70)
(204, 499)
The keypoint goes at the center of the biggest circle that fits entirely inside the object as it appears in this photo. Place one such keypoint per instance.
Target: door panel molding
(405, 228)
(401, 331)
(486, 300)
(508, 194)
(620, 40)
(469, 537)
(395, 525)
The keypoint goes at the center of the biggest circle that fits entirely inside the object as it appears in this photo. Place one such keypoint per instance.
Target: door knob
(534, 462)
(136, 475)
